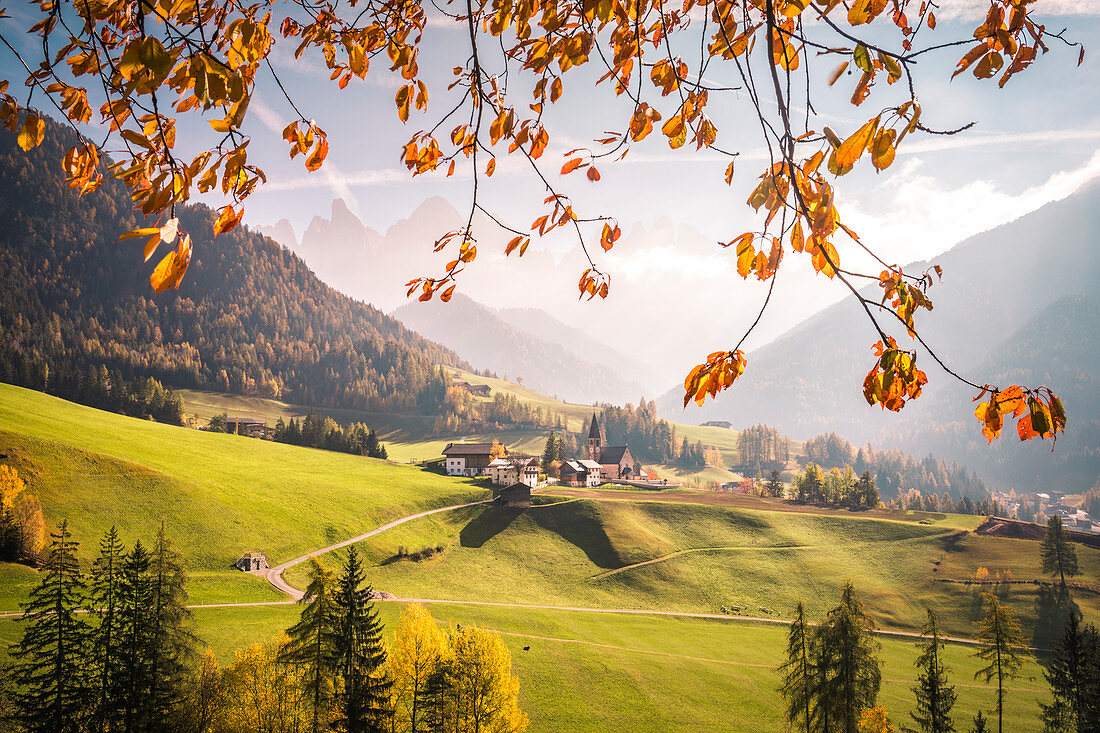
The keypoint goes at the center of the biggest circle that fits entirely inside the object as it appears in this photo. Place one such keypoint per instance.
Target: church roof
(613, 454)
(594, 430)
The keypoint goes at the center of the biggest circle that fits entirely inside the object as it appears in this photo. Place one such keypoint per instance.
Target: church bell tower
(594, 440)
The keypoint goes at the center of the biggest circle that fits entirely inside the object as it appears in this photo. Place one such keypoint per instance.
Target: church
(615, 461)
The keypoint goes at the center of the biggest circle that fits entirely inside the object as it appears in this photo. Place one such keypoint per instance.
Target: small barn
(252, 562)
(514, 495)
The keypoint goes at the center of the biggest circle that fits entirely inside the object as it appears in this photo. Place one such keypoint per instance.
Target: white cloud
(921, 218)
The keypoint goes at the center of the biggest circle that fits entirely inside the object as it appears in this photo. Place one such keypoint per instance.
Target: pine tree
(363, 692)
(981, 724)
(1002, 643)
(798, 673)
(1057, 551)
(51, 658)
(312, 644)
(171, 645)
(1074, 678)
(774, 486)
(134, 602)
(549, 452)
(849, 652)
(935, 697)
(105, 594)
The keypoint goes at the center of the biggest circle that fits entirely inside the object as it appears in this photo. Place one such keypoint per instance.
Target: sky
(1035, 141)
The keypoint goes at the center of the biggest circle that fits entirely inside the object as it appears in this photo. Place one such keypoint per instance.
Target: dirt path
(275, 575)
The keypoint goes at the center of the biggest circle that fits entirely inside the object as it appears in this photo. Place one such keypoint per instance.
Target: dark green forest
(249, 318)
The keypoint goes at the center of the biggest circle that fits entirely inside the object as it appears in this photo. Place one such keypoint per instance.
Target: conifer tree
(1074, 678)
(170, 643)
(981, 724)
(798, 672)
(1002, 647)
(363, 690)
(50, 661)
(1057, 551)
(935, 697)
(312, 642)
(105, 594)
(549, 452)
(849, 652)
(133, 611)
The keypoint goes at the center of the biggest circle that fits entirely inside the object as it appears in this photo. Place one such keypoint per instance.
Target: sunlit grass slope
(637, 554)
(220, 494)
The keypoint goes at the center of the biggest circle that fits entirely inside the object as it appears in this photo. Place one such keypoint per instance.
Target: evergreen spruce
(50, 661)
(133, 612)
(1002, 647)
(798, 673)
(1057, 551)
(105, 666)
(363, 692)
(1074, 678)
(935, 697)
(849, 655)
(981, 724)
(312, 645)
(170, 644)
(549, 452)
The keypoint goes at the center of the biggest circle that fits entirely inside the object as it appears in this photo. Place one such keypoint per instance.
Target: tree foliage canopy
(148, 67)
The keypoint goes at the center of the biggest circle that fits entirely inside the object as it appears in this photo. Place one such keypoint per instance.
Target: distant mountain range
(487, 340)
(1004, 312)
(549, 355)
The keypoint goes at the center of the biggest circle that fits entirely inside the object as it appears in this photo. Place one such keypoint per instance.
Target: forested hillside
(249, 318)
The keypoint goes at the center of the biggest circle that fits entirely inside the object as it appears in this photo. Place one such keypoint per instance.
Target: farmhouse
(580, 473)
(249, 426)
(514, 469)
(615, 462)
(478, 390)
(717, 424)
(468, 459)
(514, 495)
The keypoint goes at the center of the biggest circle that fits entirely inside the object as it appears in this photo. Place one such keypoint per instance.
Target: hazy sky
(1035, 141)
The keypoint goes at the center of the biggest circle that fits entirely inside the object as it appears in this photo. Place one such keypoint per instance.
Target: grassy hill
(221, 494)
(585, 671)
(633, 553)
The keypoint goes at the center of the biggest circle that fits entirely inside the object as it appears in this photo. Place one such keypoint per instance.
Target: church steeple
(594, 441)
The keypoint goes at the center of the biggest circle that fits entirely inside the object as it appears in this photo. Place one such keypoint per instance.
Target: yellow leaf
(32, 132)
(852, 148)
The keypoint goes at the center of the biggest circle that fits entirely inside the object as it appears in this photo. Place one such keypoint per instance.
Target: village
(518, 475)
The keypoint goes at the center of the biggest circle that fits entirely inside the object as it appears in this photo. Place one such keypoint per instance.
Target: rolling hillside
(988, 309)
(221, 494)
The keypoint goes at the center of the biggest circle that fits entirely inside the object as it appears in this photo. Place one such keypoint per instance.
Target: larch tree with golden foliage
(420, 648)
(146, 69)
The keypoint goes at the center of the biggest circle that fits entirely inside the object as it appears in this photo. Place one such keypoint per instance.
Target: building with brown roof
(615, 461)
(467, 459)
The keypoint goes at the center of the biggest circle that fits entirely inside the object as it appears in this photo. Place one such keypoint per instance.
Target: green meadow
(223, 494)
(220, 495)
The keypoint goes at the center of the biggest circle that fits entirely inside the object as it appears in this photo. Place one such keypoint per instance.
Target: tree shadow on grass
(580, 524)
(492, 521)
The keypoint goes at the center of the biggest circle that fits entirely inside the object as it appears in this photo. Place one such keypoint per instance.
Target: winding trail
(275, 575)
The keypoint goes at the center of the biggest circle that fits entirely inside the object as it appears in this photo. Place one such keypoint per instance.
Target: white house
(515, 469)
